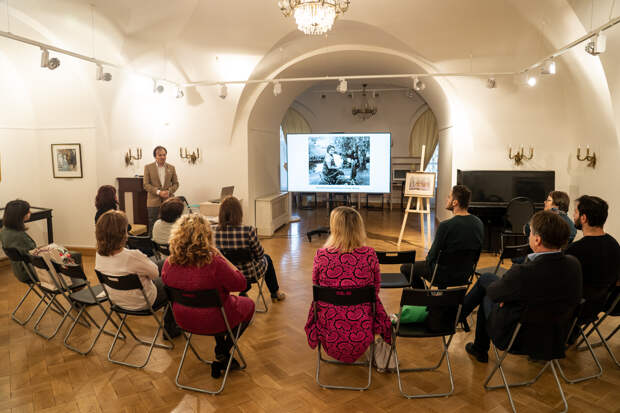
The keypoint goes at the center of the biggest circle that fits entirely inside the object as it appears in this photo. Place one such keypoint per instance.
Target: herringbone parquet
(40, 375)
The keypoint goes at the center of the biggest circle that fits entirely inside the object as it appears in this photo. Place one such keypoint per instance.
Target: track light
(180, 93)
(101, 75)
(52, 63)
(418, 85)
(223, 91)
(277, 88)
(531, 80)
(491, 83)
(410, 93)
(157, 88)
(548, 67)
(597, 44)
(342, 86)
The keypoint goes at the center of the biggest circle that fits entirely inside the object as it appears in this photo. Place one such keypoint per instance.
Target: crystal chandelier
(314, 16)
(367, 108)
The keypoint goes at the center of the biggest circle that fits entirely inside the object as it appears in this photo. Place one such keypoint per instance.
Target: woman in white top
(169, 212)
(113, 258)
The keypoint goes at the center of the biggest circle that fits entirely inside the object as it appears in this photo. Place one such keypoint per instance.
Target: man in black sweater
(461, 232)
(598, 252)
(546, 276)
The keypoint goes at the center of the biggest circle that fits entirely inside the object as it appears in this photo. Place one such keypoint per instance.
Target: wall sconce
(191, 157)
(519, 156)
(129, 157)
(590, 158)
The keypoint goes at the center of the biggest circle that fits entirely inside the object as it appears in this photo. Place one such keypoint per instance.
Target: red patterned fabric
(345, 331)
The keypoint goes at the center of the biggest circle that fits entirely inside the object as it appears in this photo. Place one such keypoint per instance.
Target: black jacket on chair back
(550, 279)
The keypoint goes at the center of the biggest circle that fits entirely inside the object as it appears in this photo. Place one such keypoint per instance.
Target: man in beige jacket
(160, 182)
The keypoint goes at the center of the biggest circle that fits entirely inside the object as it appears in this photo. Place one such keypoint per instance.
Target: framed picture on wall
(420, 184)
(67, 160)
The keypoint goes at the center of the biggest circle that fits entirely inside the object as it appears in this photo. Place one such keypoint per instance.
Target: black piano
(492, 190)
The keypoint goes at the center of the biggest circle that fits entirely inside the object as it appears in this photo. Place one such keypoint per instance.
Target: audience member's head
(330, 149)
(347, 230)
(111, 232)
(160, 153)
(557, 199)
(231, 213)
(106, 198)
(459, 197)
(548, 230)
(590, 210)
(191, 242)
(171, 210)
(15, 214)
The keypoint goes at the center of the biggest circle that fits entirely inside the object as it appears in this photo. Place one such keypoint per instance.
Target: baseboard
(86, 251)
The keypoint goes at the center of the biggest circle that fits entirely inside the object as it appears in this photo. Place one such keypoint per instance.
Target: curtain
(424, 132)
(294, 122)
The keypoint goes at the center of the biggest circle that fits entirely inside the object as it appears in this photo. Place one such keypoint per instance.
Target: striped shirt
(243, 236)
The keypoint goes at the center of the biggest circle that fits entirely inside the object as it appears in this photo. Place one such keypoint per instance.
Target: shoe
(481, 356)
(279, 296)
(216, 369)
(243, 294)
(465, 326)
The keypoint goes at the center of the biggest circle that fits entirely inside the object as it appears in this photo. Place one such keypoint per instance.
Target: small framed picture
(420, 184)
(67, 160)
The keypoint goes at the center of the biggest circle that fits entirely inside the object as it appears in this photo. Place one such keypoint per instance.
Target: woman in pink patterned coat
(344, 261)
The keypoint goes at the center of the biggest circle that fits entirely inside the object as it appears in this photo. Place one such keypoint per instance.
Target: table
(38, 213)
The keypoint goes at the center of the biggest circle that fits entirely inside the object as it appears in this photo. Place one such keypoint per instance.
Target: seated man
(461, 232)
(598, 252)
(547, 275)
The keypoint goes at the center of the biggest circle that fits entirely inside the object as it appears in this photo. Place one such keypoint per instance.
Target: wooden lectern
(133, 185)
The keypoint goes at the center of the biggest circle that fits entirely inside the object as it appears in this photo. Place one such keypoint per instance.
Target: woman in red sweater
(195, 264)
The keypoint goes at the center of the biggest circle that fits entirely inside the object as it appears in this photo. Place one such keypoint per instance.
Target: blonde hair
(191, 242)
(347, 230)
(111, 232)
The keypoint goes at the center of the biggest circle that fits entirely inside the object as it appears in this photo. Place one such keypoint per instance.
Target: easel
(423, 207)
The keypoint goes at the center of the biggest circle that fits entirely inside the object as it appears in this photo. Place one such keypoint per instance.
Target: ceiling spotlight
(180, 93)
(548, 67)
(342, 86)
(491, 83)
(222, 90)
(157, 88)
(597, 44)
(410, 93)
(418, 85)
(101, 75)
(277, 88)
(531, 80)
(52, 63)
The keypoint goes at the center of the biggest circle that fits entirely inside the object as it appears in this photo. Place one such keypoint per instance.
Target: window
(283, 171)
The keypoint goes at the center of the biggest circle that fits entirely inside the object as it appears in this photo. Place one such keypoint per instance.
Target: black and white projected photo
(339, 160)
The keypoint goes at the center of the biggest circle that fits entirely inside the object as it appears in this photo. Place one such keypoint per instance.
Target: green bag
(413, 314)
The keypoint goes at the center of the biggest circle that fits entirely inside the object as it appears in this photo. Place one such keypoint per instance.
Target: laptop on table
(226, 191)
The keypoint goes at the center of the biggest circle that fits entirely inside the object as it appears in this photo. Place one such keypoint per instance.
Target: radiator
(272, 212)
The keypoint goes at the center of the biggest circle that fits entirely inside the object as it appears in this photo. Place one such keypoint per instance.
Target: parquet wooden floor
(40, 375)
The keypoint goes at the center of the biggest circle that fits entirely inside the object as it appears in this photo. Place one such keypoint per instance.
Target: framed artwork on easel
(420, 184)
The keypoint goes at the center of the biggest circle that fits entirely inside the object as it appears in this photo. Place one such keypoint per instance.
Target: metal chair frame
(396, 257)
(409, 298)
(344, 296)
(81, 307)
(205, 299)
(160, 250)
(132, 282)
(239, 256)
(508, 251)
(595, 327)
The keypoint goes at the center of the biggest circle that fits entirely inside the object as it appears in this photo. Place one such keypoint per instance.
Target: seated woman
(105, 201)
(113, 258)
(344, 261)
(230, 234)
(13, 234)
(195, 264)
(169, 212)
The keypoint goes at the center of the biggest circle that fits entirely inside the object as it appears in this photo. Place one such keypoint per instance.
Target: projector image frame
(339, 162)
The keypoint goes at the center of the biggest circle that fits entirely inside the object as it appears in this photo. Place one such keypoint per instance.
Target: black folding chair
(508, 252)
(128, 283)
(53, 290)
(16, 257)
(242, 257)
(536, 318)
(344, 297)
(204, 299)
(518, 213)
(454, 268)
(142, 243)
(80, 301)
(396, 280)
(161, 250)
(441, 300)
(612, 309)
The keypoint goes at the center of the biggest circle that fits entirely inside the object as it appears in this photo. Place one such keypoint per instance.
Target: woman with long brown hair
(195, 264)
